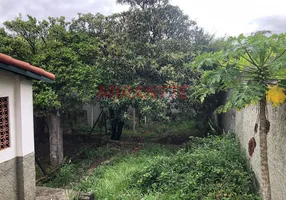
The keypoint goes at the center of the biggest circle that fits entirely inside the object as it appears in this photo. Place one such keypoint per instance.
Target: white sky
(234, 17)
(215, 16)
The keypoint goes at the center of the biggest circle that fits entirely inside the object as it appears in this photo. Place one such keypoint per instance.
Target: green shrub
(64, 176)
(210, 168)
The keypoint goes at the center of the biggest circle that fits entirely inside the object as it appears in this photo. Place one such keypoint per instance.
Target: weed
(212, 168)
(64, 176)
(72, 171)
(154, 131)
(207, 168)
(111, 181)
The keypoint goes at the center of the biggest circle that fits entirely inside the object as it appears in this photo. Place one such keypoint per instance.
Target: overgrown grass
(73, 170)
(209, 168)
(156, 130)
(206, 169)
(111, 181)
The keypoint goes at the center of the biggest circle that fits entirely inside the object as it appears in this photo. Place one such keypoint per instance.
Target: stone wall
(17, 178)
(242, 123)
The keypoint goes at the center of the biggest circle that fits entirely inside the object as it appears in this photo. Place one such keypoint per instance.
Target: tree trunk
(119, 130)
(116, 128)
(116, 122)
(113, 123)
(56, 139)
(134, 120)
(263, 130)
(105, 124)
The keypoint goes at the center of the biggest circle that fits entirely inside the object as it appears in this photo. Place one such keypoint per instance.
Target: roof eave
(24, 72)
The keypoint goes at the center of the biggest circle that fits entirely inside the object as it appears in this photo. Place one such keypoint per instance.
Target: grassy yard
(204, 168)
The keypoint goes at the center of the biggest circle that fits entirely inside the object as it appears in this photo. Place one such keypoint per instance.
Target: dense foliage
(149, 44)
(247, 66)
(51, 45)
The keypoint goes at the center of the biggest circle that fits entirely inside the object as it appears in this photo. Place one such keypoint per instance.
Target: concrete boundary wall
(242, 123)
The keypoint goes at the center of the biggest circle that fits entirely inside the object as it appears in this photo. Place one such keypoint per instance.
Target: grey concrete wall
(242, 123)
(93, 112)
(17, 178)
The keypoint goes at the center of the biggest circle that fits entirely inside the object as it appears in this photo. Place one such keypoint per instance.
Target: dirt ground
(45, 193)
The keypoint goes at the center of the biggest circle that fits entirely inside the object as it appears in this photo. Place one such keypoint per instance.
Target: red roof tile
(25, 66)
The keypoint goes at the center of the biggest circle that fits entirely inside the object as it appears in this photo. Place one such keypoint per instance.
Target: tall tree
(69, 55)
(249, 67)
(149, 44)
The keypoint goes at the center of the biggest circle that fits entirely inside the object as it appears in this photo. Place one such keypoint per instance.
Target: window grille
(4, 123)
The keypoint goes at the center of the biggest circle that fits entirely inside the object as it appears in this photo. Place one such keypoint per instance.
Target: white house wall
(19, 91)
(24, 103)
(17, 164)
(7, 88)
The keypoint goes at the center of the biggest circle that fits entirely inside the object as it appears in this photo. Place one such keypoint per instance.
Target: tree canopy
(51, 45)
(150, 44)
(248, 66)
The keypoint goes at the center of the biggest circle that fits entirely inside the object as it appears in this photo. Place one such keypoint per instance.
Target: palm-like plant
(254, 69)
